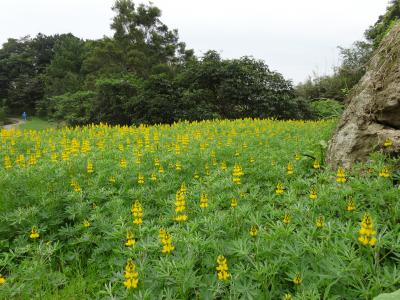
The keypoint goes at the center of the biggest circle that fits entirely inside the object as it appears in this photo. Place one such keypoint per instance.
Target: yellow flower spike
(279, 188)
(237, 174)
(316, 164)
(234, 203)
(123, 163)
(166, 241)
(289, 169)
(320, 222)
(34, 233)
(130, 238)
(89, 167)
(86, 223)
(203, 200)
(137, 213)
(222, 268)
(2, 279)
(7, 162)
(178, 166)
(388, 143)
(297, 279)
(111, 179)
(341, 175)
(253, 231)
(153, 177)
(367, 234)
(351, 205)
(140, 179)
(287, 297)
(384, 172)
(131, 276)
(313, 194)
(297, 156)
(286, 219)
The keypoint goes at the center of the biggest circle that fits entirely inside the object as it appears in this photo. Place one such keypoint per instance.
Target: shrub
(327, 108)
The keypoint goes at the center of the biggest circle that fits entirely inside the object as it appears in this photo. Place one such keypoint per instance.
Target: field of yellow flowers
(241, 209)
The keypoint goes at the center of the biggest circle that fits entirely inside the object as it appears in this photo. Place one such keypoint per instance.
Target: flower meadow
(243, 209)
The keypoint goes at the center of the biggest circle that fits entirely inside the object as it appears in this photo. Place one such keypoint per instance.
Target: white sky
(294, 37)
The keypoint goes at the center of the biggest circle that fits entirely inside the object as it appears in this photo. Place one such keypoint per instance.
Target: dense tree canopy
(145, 74)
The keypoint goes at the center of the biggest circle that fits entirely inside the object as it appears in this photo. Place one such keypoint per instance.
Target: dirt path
(15, 123)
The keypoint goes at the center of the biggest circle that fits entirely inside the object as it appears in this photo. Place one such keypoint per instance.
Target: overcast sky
(294, 37)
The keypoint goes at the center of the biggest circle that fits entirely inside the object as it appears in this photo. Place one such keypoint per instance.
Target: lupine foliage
(95, 212)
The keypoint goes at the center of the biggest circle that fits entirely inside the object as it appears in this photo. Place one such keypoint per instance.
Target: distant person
(24, 116)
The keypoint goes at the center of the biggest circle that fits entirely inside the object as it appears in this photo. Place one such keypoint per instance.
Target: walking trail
(15, 123)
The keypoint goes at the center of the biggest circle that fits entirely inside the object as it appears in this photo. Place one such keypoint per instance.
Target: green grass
(37, 124)
(44, 182)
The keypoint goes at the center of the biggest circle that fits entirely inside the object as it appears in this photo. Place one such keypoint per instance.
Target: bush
(74, 108)
(327, 108)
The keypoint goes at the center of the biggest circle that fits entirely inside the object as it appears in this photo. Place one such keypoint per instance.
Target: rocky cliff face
(373, 114)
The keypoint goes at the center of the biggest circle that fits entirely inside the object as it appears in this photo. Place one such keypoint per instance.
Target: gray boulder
(373, 114)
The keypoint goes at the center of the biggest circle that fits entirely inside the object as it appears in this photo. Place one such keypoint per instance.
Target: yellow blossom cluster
(253, 231)
(131, 275)
(222, 268)
(367, 234)
(341, 175)
(166, 241)
(237, 173)
(180, 204)
(384, 172)
(203, 200)
(130, 238)
(137, 213)
(34, 233)
(279, 188)
(290, 169)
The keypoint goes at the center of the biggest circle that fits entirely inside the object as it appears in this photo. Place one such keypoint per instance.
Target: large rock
(373, 114)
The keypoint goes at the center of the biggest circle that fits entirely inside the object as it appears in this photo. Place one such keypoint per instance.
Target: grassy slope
(37, 124)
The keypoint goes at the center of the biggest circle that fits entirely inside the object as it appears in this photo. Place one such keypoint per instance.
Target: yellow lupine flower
(2, 279)
(137, 213)
(222, 268)
(89, 167)
(140, 179)
(34, 233)
(313, 194)
(279, 189)
(166, 241)
(316, 164)
(86, 223)
(253, 231)
(384, 172)
(350, 204)
(287, 297)
(130, 238)
(131, 276)
(7, 162)
(234, 203)
(286, 218)
(320, 222)
(367, 234)
(297, 279)
(122, 163)
(388, 143)
(290, 169)
(341, 175)
(203, 200)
